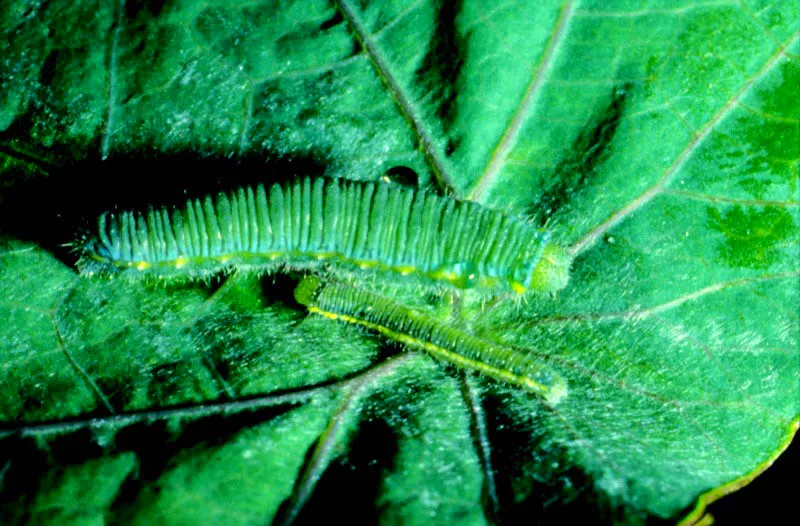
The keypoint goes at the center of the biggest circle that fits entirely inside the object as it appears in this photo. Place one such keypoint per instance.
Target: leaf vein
(111, 89)
(512, 131)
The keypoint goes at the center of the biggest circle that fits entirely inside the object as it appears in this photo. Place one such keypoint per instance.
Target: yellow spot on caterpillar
(181, 262)
(326, 314)
(444, 274)
(142, 265)
(518, 287)
(405, 270)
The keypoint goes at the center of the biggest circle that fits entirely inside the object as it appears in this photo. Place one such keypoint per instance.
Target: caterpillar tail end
(557, 392)
(93, 258)
(547, 384)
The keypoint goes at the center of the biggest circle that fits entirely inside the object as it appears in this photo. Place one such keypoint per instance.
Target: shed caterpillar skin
(344, 227)
(419, 330)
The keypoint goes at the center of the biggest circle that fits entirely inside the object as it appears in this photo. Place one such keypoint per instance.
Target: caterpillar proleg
(339, 226)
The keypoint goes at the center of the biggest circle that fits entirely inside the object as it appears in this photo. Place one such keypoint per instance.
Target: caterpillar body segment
(418, 330)
(344, 227)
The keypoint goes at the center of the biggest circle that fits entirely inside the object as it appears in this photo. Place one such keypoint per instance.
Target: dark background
(772, 498)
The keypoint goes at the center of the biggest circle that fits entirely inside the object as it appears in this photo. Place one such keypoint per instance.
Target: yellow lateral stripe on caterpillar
(418, 330)
(437, 351)
(346, 226)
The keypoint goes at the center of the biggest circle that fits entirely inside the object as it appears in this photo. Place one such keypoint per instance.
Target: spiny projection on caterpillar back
(339, 226)
(419, 330)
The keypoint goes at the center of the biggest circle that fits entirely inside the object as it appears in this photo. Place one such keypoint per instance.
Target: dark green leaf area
(753, 238)
(145, 472)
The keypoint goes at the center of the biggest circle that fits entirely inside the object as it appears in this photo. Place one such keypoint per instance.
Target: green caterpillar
(345, 227)
(418, 330)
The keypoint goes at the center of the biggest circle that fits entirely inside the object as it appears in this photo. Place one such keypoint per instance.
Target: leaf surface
(659, 141)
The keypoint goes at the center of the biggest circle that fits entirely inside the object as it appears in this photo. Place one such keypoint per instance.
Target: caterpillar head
(551, 273)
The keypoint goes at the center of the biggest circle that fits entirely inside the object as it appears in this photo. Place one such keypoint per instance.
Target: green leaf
(659, 141)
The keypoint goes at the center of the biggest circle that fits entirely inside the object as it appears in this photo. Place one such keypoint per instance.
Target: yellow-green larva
(442, 340)
(337, 226)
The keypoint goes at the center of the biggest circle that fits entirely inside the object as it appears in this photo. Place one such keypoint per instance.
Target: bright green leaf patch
(659, 141)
